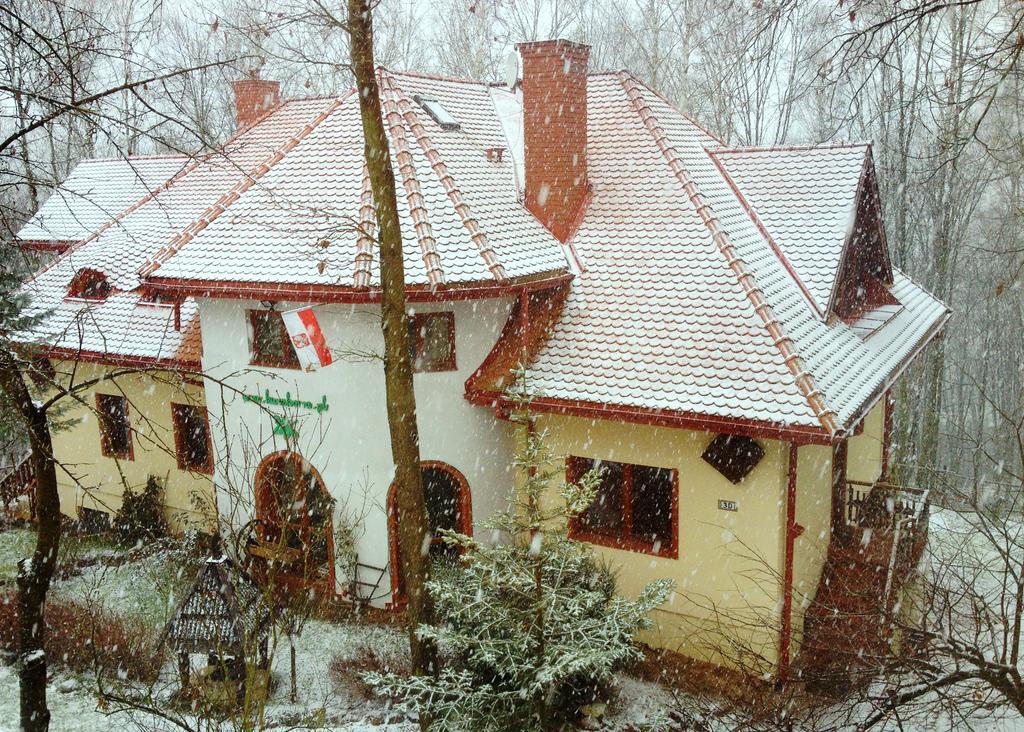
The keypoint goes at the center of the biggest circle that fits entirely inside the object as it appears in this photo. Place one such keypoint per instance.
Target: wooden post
(839, 450)
(184, 670)
(291, 643)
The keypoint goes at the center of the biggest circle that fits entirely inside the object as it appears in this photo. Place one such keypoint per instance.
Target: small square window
(634, 509)
(115, 427)
(269, 342)
(192, 438)
(432, 341)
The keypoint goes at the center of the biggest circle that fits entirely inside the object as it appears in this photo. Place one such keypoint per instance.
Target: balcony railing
(884, 505)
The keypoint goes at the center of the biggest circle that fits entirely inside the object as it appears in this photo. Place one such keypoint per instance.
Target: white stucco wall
(349, 443)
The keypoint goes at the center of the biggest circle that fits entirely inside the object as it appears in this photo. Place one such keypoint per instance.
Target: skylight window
(437, 111)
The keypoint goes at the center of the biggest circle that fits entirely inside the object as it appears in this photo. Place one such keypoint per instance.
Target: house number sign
(727, 505)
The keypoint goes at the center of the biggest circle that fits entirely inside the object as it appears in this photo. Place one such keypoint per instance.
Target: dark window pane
(117, 438)
(430, 342)
(605, 514)
(652, 504)
(441, 491)
(270, 345)
(436, 342)
(193, 432)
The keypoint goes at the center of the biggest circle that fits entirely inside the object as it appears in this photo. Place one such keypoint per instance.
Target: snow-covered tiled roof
(94, 192)
(806, 200)
(121, 326)
(299, 223)
(706, 272)
(685, 308)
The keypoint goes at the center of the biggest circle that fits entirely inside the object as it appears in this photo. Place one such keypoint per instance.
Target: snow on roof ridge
(128, 158)
(196, 160)
(437, 163)
(417, 204)
(434, 77)
(787, 347)
(707, 131)
(776, 249)
(837, 144)
(248, 180)
(361, 271)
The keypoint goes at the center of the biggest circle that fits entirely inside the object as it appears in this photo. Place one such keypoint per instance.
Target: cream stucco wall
(729, 568)
(86, 477)
(729, 573)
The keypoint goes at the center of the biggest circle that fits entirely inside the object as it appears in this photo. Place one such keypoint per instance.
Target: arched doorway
(294, 527)
(449, 506)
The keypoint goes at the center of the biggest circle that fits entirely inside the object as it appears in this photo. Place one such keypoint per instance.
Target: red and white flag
(307, 338)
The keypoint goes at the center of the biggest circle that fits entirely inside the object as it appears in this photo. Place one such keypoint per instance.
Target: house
(127, 352)
(717, 329)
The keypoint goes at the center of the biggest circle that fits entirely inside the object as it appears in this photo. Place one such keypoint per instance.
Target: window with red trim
(269, 342)
(115, 426)
(192, 438)
(89, 284)
(636, 507)
(432, 341)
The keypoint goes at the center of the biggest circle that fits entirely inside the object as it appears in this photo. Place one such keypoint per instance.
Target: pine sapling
(530, 628)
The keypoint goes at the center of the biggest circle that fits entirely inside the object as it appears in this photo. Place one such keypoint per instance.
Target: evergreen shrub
(141, 516)
(529, 628)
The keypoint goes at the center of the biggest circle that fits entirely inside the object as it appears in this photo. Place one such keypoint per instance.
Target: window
(432, 341)
(115, 429)
(192, 438)
(438, 113)
(635, 507)
(270, 343)
(449, 506)
(294, 513)
(89, 284)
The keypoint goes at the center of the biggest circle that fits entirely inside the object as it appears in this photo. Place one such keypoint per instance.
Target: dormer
(89, 284)
(864, 276)
(820, 212)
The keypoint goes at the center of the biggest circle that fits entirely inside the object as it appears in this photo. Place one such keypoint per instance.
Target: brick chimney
(555, 131)
(253, 99)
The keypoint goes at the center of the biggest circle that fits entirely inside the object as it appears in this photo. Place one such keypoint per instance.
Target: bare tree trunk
(413, 529)
(34, 575)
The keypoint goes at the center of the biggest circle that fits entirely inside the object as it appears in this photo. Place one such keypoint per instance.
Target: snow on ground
(148, 586)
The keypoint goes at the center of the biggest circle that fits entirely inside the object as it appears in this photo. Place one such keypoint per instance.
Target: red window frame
(181, 451)
(105, 414)
(286, 360)
(576, 467)
(417, 323)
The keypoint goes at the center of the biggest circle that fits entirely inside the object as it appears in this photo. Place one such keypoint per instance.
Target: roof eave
(896, 373)
(241, 290)
(677, 419)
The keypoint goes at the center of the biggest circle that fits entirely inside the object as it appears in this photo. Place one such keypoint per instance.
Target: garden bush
(530, 630)
(89, 641)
